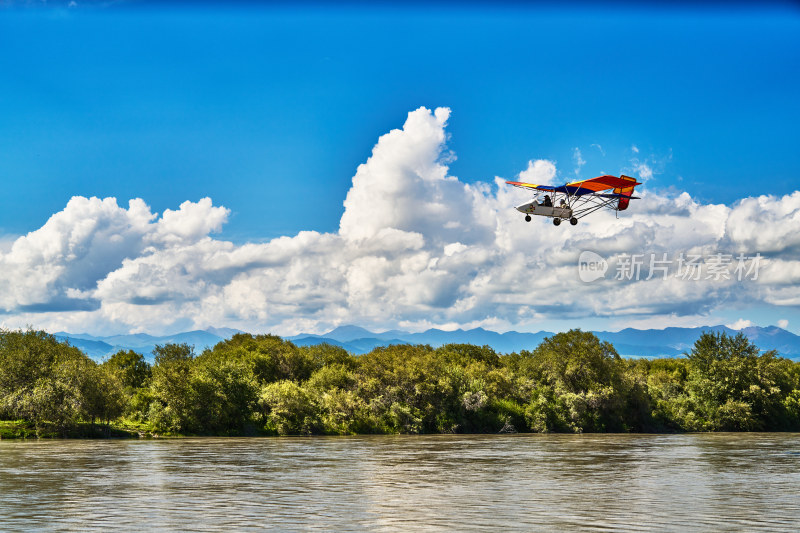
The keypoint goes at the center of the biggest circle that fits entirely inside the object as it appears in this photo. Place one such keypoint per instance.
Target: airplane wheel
(573, 221)
(527, 218)
(556, 221)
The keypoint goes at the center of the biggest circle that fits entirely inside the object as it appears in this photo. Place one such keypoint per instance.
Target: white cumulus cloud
(416, 248)
(540, 171)
(740, 324)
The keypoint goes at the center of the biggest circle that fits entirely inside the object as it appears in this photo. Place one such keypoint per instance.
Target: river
(699, 482)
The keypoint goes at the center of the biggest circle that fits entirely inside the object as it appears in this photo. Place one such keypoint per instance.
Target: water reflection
(716, 482)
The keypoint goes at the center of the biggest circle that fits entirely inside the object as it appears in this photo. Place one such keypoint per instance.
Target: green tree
(334, 376)
(173, 402)
(324, 355)
(225, 392)
(103, 394)
(131, 368)
(26, 358)
(415, 389)
(57, 398)
(132, 372)
(50, 382)
(735, 388)
(269, 357)
(665, 386)
(583, 380)
(288, 409)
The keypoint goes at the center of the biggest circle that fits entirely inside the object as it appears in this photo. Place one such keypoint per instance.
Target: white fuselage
(534, 208)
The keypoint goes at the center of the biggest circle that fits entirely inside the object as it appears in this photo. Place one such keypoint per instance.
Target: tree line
(262, 384)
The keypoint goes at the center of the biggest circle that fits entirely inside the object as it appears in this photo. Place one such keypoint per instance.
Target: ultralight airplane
(575, 200)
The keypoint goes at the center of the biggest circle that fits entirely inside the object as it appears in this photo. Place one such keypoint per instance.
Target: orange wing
(622, 185)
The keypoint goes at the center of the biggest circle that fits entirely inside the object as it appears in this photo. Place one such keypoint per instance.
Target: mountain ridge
(629, 342)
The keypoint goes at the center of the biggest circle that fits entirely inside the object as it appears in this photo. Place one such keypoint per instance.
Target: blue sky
(269, 111)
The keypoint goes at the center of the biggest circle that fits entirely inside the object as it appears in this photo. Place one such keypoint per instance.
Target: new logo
(591, 266)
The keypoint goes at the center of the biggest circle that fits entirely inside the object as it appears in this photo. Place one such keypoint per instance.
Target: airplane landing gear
(556, 221)
(527, 218)
(573, 221)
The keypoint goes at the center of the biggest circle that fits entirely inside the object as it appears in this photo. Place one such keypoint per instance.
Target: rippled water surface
(718, 482)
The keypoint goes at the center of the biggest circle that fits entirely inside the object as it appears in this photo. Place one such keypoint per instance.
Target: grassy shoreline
(126, 429)
(22, 429)
(118, 429)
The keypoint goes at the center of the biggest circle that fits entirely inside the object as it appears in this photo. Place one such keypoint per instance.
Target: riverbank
(124, 429)
(22, 429)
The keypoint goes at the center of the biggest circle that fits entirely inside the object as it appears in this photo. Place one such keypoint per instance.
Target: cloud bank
(416, 247)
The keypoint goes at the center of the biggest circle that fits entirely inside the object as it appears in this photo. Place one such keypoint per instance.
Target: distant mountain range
(630, 342)
(101, 347)
(669, 342)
